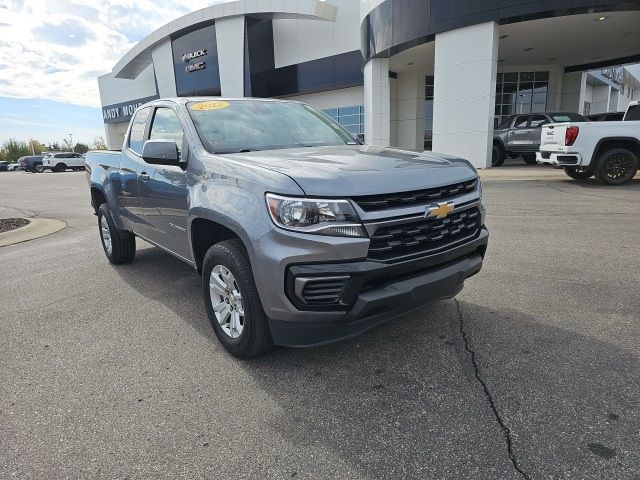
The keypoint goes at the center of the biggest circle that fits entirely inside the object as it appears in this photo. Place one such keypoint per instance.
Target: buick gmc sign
(186, 57)
(122, 112)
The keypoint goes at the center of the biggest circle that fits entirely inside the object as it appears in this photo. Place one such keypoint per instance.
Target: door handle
(144, 176)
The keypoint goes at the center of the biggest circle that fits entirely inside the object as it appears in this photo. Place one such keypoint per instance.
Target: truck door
(163, 189)
(518, 137)
(126, 190)
(536, 122)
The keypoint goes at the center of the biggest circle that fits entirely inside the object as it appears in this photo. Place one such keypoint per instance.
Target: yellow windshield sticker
(214, 105)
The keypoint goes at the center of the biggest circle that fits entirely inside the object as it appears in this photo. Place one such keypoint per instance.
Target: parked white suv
(608, 150)
(59, 162)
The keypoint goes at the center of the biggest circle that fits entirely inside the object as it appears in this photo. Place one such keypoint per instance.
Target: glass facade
(428, 113)
(520, 92)
(351, 118)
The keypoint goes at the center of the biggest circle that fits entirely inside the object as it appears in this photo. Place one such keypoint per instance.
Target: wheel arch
(206, 228)
(98, 197)
(604, 144)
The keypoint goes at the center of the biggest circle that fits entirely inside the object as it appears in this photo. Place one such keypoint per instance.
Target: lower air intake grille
(323, 291)
(423, 236)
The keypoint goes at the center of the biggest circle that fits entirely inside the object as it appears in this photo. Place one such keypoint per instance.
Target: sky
(52, 51)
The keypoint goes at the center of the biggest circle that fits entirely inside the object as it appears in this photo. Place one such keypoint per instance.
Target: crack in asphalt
(487, 392)
(22, 211)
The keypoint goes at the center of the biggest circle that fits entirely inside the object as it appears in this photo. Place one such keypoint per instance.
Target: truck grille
(323, 291)
(373, 203)
(424, 235)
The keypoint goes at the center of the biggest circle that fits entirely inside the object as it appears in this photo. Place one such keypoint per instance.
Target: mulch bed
(7, 224)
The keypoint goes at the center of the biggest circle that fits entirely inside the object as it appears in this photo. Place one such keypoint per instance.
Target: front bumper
(376, 292)
(559, 159)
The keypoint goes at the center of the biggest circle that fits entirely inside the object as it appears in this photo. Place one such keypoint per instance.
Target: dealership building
(416, 74)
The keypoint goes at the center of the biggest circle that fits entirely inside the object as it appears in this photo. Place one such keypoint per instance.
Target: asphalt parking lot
(532, 372)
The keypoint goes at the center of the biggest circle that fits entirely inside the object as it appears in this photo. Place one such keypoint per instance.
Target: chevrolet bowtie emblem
(439, 210)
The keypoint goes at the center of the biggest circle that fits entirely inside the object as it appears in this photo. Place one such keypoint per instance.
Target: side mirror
(360, 138)
(161, 152)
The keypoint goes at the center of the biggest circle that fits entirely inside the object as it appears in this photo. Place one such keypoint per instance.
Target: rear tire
(498, 156)
(616, 166)
(529, 159)
(119, 246)
(232, 285)
(38, 169)
(579, 173)
(61, 167)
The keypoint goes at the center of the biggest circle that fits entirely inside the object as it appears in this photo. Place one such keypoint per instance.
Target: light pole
(71, 136)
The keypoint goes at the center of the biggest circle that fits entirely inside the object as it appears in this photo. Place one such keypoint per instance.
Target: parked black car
(3, 166)
(519, 135)
(31, 163)
(606, 117)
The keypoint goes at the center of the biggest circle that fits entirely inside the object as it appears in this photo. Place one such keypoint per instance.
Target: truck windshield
(232, 126)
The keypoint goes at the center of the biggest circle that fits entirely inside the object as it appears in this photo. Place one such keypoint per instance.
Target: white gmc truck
(608, 150)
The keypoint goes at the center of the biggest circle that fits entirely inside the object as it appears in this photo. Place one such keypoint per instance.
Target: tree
(99, 143)
(53, 147)
(36, 147)
(81, 148)
(67, 145)
(12, 150)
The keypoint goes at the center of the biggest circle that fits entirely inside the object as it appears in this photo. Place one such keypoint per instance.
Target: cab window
(166, 126)
(521, 121)
(538, 121)
(136, 135)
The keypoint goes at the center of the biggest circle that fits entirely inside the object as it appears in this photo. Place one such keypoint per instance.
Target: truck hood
(352, 170)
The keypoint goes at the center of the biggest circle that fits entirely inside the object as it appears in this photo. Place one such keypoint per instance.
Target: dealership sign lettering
(194, 67)
(186, 57)
(122, 112)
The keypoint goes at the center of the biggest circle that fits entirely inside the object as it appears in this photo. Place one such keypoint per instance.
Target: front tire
(38, 169)
(529, 159)
(498, 156)
(579, 173)
(119, 246)
(616, 166)
(232, 302)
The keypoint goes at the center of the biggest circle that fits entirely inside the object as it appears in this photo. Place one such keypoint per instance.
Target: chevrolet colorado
(608, 150)
(302, 235)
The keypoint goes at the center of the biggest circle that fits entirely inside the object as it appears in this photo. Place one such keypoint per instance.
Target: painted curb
(39, 227)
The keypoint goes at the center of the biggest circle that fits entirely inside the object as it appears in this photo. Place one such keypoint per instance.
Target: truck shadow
(158, 276)
(403, 401)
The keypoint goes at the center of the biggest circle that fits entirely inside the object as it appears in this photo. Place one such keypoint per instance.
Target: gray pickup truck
(302, 235)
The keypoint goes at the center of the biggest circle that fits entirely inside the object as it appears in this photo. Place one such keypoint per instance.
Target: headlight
(320, 217)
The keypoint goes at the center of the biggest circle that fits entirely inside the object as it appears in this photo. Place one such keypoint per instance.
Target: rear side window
(633, 113)
(136, 135)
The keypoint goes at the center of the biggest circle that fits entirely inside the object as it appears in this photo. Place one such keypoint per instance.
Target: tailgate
(552, 136)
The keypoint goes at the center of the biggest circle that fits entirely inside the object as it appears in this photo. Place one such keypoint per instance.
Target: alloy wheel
(619, 166)
(226, 300)
(106, 235)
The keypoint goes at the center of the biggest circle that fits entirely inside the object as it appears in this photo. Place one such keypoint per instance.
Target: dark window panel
(541, 76)
(205, 81)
